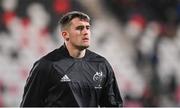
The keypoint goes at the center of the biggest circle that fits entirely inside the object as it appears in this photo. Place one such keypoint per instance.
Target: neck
(75, 52)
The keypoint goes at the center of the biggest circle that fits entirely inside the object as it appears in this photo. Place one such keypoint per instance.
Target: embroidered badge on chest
(98, 79)
(65, 78)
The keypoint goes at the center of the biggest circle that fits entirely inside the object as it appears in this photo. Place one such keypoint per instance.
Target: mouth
(85, 39)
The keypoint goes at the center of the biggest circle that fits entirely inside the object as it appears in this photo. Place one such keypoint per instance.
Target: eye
(80, 28)
(87, 27)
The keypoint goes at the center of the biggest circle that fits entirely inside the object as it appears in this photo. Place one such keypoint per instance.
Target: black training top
(58, 79)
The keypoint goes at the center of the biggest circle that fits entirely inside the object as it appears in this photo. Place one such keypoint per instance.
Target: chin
(84, 47)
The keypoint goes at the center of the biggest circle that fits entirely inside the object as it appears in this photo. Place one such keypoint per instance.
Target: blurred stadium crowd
(140, 38)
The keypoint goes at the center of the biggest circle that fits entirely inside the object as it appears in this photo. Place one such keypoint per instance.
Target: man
(72, 75)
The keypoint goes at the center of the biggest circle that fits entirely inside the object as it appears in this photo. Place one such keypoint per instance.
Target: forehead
(78, 21)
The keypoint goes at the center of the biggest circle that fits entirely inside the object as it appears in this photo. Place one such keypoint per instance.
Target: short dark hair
(65, 19)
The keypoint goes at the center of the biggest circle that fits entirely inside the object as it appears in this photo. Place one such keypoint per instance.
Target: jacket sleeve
(35, 88)
(111, 96)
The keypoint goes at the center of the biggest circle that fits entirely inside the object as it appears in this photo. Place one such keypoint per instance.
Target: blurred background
(140, 38)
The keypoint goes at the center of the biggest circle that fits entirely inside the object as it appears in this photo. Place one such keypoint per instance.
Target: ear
(65, 35)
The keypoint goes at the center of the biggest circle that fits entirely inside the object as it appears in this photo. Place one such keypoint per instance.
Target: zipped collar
(66, 53)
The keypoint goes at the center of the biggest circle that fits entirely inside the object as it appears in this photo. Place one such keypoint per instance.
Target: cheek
(89, 33)
(74, 33)
(74, 38)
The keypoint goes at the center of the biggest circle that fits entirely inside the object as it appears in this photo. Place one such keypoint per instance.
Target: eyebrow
(82, 26)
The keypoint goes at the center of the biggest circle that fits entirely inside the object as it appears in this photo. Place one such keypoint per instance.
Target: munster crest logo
(98, 78)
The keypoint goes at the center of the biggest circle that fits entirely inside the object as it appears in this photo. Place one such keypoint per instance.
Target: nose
(85, 31)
